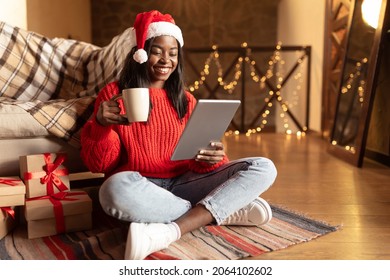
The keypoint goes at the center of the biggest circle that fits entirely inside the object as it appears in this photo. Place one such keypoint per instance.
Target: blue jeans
(129, 196)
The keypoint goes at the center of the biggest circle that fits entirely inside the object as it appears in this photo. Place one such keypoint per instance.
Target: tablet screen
(208, 122)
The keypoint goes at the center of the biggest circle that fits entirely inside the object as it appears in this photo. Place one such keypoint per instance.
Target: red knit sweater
(143, 147)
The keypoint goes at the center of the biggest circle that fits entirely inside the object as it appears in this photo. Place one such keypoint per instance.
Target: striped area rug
(210, 242)
(107, 240)
(235, 242)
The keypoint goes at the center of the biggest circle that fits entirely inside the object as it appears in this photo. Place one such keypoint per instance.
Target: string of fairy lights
(271, 72)
(354, 76)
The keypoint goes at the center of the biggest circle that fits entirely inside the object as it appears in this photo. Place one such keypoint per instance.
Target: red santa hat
(152, 24)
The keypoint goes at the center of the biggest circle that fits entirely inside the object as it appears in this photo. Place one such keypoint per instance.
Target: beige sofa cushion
(17, 123)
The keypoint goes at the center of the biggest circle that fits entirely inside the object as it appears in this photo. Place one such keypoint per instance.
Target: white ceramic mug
(136, 102)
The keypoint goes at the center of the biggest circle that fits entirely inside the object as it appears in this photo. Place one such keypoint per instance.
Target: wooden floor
(313, 182)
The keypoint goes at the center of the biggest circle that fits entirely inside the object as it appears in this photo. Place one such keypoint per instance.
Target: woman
(164, 199)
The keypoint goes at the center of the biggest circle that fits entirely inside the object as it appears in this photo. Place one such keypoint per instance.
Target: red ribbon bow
(56, 199)
(8, 211)
(50, 176)
(9, 181)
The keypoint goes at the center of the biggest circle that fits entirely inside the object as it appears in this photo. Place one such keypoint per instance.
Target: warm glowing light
(370, 11)
(259, 78)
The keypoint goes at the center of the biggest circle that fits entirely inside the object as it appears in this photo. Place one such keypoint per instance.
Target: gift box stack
(12, 197)
(50, 206)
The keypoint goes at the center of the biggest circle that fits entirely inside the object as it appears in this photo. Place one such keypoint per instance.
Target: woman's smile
(162, 70)
(163, 59)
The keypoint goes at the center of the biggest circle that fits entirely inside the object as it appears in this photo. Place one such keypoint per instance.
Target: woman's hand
(109, 113)
(211, 155)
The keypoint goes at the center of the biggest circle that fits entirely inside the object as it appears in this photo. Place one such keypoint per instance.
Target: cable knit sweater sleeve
(100, 144)
(143, 147)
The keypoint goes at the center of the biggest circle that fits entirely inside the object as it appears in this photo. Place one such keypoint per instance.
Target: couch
(47, 92)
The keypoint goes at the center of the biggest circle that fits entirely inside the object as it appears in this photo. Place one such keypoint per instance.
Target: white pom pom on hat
(152, 24)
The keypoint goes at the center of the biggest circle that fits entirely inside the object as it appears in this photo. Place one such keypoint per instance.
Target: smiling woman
(163, 60)
(161, 198)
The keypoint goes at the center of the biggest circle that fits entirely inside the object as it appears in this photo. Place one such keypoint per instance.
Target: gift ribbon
(9, 181)
(8, 211)
(50, 174)
(56, 199)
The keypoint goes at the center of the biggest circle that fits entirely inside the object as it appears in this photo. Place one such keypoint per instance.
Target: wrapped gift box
(8, 220)
(44, 174)
(62, 212)
(12, 191)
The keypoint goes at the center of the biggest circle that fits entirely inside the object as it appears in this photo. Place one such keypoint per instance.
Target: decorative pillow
(57, 80)
(34, 67)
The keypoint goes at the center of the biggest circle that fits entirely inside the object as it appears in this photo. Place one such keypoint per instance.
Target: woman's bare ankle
(197, 217)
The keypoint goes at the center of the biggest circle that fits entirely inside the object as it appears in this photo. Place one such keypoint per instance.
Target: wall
(302, 22)
(14, 12)
(204, 22)
(225, 23)
(51, 18)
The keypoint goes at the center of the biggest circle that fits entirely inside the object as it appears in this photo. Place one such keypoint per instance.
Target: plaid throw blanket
(57, 80)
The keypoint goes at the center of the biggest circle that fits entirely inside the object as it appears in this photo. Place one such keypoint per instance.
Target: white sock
(175, 230)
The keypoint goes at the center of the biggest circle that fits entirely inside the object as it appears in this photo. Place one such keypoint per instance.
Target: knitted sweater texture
(143, 147)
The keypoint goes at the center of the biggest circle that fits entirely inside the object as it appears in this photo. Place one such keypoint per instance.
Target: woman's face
(163, 59)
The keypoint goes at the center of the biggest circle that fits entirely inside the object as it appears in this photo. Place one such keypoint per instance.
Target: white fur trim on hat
(140, 56)
(150, 25)
(156, 29)
(162, 28)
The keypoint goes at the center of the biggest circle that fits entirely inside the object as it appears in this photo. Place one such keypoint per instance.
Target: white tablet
(208, 122)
